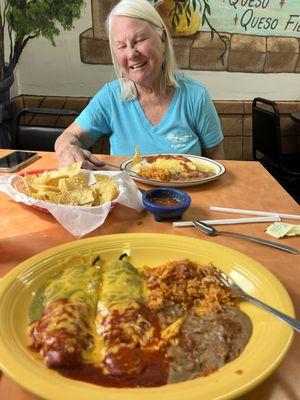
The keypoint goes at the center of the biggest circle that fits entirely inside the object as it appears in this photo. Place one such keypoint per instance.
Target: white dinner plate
(218, 168)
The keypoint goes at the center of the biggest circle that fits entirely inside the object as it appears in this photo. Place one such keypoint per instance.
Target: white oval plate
(219, 171)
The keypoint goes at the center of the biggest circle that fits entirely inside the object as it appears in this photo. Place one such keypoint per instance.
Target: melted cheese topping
(122, 291)
(76, 284)
(174, 166)
(170, 331)
(97, 302)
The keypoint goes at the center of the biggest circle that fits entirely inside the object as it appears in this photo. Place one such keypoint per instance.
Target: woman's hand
(72, 153)
(71, 147)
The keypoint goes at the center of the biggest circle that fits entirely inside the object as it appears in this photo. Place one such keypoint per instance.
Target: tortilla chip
(70, 186)
(74, 182)
(107, 187)
(52, 197)
(137, 157)
(77, 197)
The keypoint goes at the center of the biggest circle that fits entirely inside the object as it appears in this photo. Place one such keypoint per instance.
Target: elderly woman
(151, 104)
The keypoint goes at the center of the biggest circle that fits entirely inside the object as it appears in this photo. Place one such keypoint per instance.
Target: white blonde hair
(142, 10)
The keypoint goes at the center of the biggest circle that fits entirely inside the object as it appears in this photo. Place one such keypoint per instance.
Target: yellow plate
(261, 356)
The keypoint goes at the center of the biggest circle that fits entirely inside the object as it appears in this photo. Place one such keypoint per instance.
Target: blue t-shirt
(190, 124)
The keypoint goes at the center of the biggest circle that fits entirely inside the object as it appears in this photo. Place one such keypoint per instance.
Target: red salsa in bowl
(166, 203)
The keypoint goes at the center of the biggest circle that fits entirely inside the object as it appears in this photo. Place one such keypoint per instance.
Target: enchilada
(122, 326)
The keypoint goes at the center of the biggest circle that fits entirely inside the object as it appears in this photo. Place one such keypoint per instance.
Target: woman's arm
(71, 146)
(215, 152)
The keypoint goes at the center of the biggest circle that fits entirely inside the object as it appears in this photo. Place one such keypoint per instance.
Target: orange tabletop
(245, 185)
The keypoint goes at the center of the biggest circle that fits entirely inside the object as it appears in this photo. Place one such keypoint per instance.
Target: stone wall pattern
(235, 118)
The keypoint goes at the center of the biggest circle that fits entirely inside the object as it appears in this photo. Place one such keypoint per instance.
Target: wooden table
(246, 185)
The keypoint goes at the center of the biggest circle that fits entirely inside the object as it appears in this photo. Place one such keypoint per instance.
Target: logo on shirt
(179, 141)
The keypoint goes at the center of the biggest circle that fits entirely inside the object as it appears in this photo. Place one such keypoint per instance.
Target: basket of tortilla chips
(69, 185)
(79, 199)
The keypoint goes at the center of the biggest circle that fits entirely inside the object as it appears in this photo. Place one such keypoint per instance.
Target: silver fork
(119, 167)
(226, 281)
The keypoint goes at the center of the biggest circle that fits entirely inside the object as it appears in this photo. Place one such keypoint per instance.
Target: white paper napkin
(80, 220)
(281, 229)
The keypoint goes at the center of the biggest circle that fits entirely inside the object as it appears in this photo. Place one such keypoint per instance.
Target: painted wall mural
(261, 36)
(260, 17)
(252, 17)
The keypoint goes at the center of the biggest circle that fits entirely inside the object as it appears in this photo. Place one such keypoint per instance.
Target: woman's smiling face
(139, 50)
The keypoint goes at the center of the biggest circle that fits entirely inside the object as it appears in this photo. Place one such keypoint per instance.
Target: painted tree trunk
(188, 21)
(100, 11)
(7, 111)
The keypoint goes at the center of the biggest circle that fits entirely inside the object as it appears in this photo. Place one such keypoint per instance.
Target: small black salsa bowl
(166, 203)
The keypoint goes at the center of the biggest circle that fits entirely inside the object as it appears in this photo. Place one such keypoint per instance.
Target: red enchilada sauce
(136, 353)
(58, 344)
(152, 369)
(131, 365)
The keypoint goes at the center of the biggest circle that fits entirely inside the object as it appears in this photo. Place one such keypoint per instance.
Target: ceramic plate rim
(9, 364)
(192, 182)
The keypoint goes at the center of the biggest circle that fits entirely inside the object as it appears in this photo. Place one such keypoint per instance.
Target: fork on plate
(119, 167)
(228, 282)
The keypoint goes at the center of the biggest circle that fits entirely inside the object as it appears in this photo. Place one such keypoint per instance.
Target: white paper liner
(80, 220)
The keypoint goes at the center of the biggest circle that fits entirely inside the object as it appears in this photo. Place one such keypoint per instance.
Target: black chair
(39, 136)
(267, 147)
